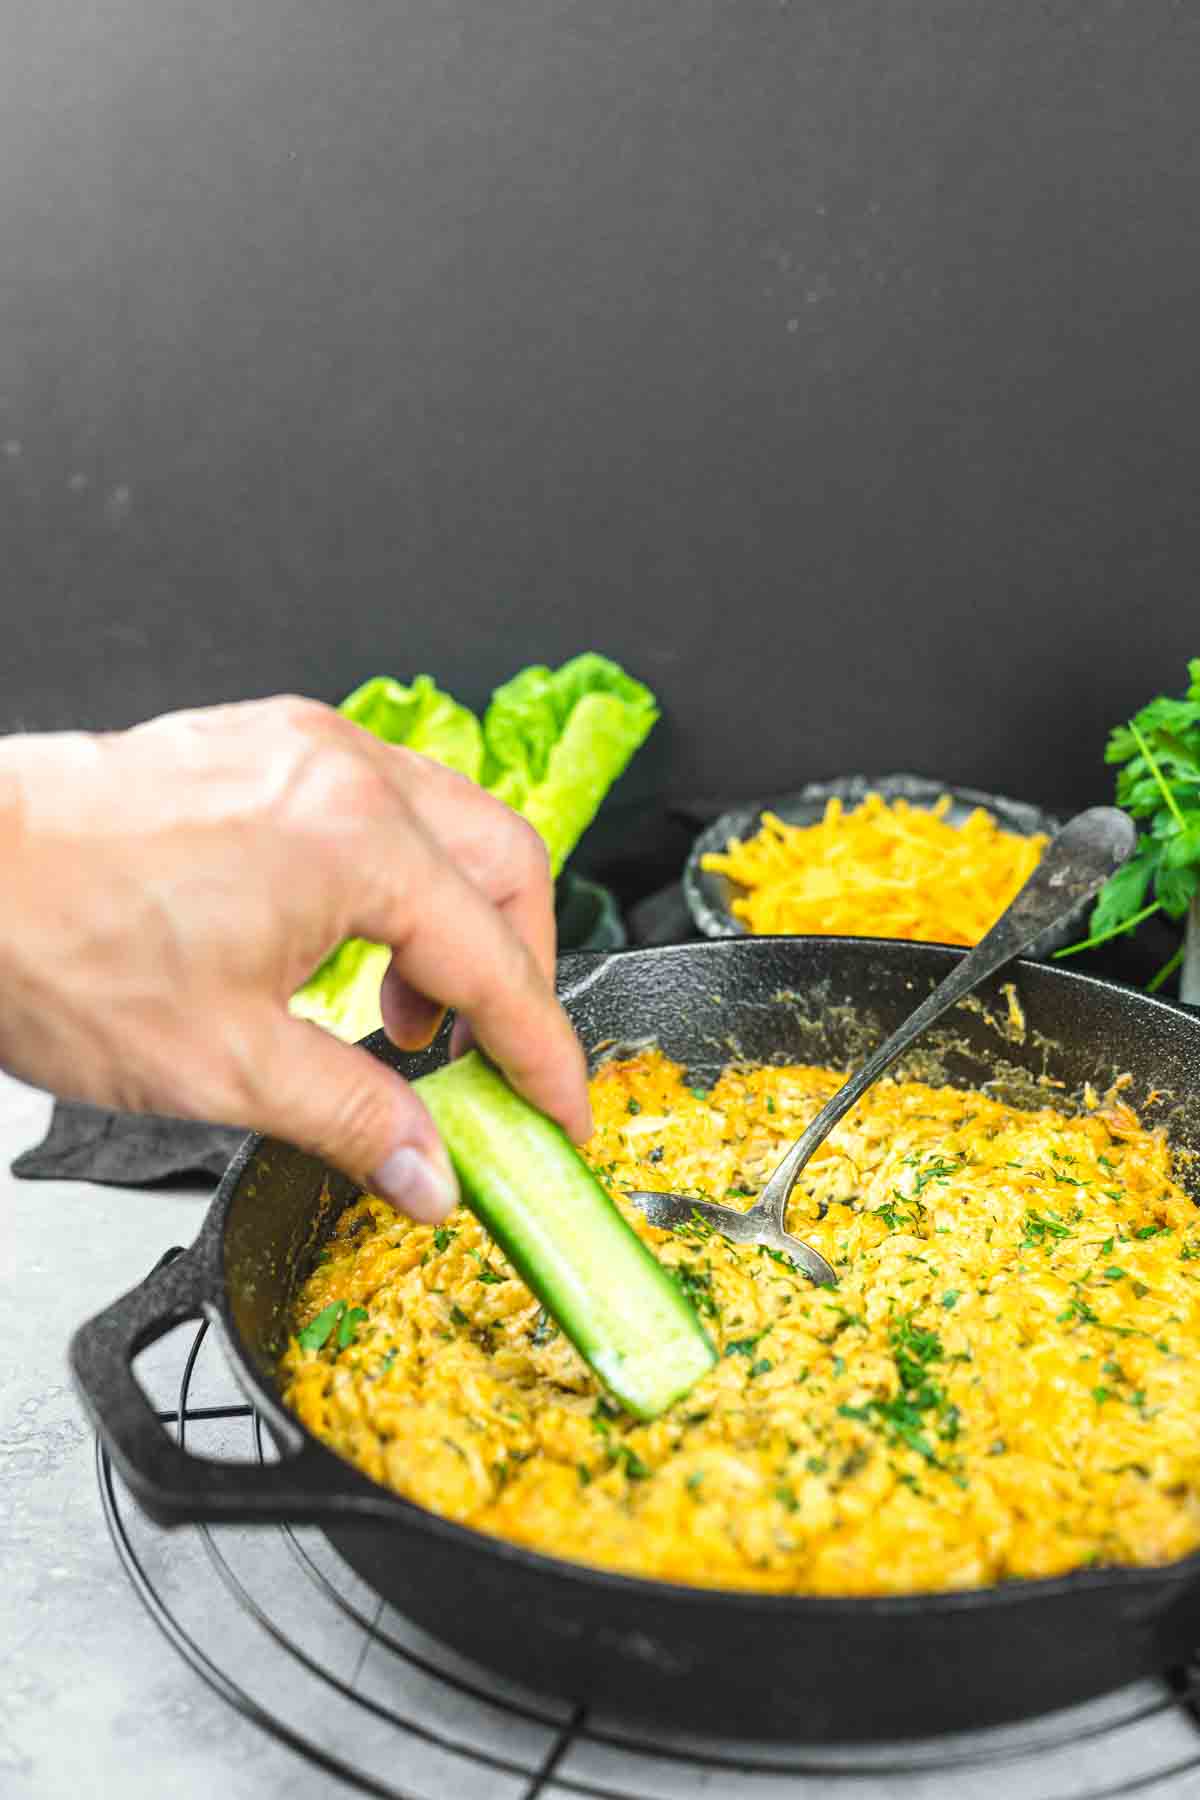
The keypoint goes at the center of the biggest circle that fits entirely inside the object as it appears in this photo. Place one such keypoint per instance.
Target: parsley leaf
(339, 1320)
(1157, 755)
(318, 1331)
(1042, 1228)
(348, 1325)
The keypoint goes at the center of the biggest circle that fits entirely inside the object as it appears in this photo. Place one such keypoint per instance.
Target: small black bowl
(710, 896)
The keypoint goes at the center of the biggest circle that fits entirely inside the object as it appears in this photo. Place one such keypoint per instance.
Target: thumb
(347, 1107)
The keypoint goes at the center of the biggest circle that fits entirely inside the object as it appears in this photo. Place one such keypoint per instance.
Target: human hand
(166, 890)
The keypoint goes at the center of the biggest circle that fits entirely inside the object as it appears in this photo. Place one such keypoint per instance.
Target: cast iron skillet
(782, 1666)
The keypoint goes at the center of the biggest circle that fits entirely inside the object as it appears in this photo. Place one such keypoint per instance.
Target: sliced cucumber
(522, 1178)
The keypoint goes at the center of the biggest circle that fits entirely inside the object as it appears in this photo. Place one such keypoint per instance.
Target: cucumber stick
(523, 1180)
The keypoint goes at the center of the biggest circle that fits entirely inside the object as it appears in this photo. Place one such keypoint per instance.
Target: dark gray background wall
(831, 362)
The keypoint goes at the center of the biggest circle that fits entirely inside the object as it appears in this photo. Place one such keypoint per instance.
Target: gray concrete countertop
(87, 1685)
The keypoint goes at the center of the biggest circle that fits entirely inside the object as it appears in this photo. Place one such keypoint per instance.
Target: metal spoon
(1075, 864)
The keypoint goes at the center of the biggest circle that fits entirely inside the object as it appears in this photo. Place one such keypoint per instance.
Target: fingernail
(421, 1185)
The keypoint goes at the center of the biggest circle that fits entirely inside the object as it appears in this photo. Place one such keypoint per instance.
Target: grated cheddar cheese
(881, 870)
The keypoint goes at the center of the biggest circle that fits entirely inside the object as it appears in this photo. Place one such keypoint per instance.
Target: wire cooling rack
(278, 1626)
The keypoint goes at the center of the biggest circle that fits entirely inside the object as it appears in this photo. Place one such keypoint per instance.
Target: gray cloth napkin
(86, 1143)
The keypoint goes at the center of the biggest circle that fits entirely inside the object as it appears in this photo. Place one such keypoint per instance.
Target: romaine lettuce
(556, 740)
(420, 716)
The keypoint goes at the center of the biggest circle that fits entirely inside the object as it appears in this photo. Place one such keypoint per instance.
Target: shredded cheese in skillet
(1005, 1383)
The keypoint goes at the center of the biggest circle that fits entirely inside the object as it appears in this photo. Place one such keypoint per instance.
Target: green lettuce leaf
(556, 740)
(551, 745)
(343, 994)
(422, 717)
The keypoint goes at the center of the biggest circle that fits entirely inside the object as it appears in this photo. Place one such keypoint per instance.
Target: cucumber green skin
(524, 1181)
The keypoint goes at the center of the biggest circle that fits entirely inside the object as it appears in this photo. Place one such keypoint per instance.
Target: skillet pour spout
(781, 1666)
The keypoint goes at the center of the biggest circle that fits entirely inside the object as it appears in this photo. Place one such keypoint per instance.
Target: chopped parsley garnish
(698, 1093)
(785, 1497)
(318, 1330)
(635, 1468)
(1149, 1231)
(776, 1256)
(1077, 1311)
(745, 1346)
(695, 1227)
(939, 1169)
(340, 1317)
(762, 1367)
(633, 1106)
(896, 1219)
(695, 1283)
(545, 1329)
(1114, 1274)
(443, 1237)
(489, 1276)
(348, 1324)
(921, 1404)
(950, 1298)
(1043, 1228)
(459, 1316)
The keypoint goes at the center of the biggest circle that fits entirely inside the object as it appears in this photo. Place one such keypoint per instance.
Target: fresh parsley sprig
(1157, 754)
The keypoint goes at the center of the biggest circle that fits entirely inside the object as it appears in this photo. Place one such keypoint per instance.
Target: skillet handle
(307, 1486)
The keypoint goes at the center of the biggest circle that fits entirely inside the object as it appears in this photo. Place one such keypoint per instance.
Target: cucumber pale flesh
(525, 1182)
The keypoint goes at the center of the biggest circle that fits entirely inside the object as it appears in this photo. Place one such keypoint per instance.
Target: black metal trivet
(455, 1732)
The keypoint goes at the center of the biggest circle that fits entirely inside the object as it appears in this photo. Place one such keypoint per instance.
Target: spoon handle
(1078, 862)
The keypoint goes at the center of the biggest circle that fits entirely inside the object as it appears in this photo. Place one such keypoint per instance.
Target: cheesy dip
(1005, 1382)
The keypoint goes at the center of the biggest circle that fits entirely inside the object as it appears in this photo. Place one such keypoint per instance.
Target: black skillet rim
(286, 1425)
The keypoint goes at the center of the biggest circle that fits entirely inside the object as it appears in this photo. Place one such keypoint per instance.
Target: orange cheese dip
(1005, 1382)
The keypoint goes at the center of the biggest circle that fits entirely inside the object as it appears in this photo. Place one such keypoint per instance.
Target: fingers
(349, 1109)
(451, 943)
(493, 846)
(409, 1018)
